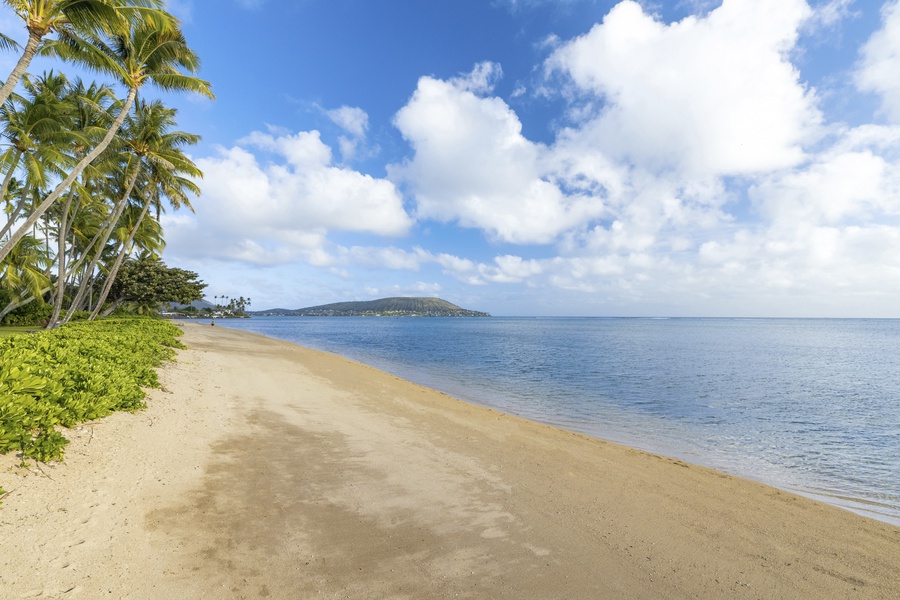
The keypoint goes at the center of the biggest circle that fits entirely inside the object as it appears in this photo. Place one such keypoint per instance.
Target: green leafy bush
(76, 373)
(34, 314)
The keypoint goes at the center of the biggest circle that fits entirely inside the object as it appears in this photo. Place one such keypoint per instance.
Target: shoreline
(870, 502)
(264, 469)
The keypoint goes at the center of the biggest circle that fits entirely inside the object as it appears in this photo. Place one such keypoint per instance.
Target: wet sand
(266, 470)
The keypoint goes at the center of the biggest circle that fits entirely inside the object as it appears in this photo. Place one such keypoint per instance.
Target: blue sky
(548, 157)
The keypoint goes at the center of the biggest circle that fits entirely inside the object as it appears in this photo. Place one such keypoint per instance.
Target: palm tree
(90, 119)
(43, 17)
(23, 274)
(121, 175)
(37, 126)
(169, 172)
(138, 232)
(68, 18)
(146, 52)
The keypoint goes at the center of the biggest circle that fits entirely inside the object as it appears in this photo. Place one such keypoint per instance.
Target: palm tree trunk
(14, 305)
(9, 174)
(111, 278)
(61, 236)
(64, 185)
(73, 270)
(107, 232)
(5, 189)
(20, 303)
(34, 39)
(12, 219)
(111, 308)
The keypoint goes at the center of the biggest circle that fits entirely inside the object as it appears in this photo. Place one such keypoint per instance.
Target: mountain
(198, 304)
(385, 307)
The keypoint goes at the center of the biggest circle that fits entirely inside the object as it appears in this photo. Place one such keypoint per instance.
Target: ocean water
(807, 405)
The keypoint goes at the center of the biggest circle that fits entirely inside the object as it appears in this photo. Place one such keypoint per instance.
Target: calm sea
(808, 405)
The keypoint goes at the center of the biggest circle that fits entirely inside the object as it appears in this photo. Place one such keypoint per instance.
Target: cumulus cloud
(853, 182)
(354, 122)
(831, 13)
(879, 69)
(472, 165)
(282, 208)
(715, 95)
(679, 133)
(663, 112)
(696, 173)
(384, 257)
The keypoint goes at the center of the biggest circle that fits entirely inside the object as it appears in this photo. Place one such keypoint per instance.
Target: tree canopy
(86, 168)
(146, 283)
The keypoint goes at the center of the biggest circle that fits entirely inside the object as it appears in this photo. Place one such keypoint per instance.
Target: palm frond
(7, 43)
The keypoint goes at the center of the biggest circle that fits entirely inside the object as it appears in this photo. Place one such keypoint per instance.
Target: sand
(266, 470)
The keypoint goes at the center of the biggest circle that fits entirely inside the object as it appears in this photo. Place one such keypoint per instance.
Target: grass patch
(76, 373)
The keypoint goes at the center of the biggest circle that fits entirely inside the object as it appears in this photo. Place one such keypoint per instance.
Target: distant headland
(385, 307)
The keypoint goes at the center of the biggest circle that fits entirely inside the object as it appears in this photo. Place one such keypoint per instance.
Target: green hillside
(385, 307)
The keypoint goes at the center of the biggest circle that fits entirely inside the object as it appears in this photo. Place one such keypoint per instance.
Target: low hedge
(76, 373)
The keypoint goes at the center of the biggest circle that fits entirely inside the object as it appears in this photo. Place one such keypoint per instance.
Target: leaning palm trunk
(64, 185)
(71, 276)
(111, 308)
(14, 305)
(20, 303)
(61, 261)
(123, 252)
(12, 219)
(105, 234)
(6, 181)
(34, 39)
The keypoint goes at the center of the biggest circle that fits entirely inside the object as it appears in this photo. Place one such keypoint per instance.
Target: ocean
(807, 405)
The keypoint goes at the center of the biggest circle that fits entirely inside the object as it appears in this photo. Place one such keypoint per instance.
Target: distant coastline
(385, 307)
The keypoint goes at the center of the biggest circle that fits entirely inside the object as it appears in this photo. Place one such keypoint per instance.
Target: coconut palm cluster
(87, 167)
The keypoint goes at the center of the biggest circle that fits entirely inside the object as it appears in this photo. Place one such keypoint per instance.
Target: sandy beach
(265, 470)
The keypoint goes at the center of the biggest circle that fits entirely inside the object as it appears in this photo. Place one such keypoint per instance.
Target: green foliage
(33, 314)
(146, 283)
(76, 373)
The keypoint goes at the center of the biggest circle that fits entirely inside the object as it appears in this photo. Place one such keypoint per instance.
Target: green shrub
(76, 373)
(34, 314)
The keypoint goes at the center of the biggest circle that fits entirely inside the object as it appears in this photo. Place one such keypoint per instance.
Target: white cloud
(666, 111)
(472, 164)
(697, 175)
(418, 288)
(304, 150)
(481, 80)
(384, 258)
(512, 269)
(843, 185)
(353, 120)
(283, 209)
(832, 12)
(879, 69)
(706, 96)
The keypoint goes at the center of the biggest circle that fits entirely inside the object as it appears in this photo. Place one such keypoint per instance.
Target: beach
(265, 470)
